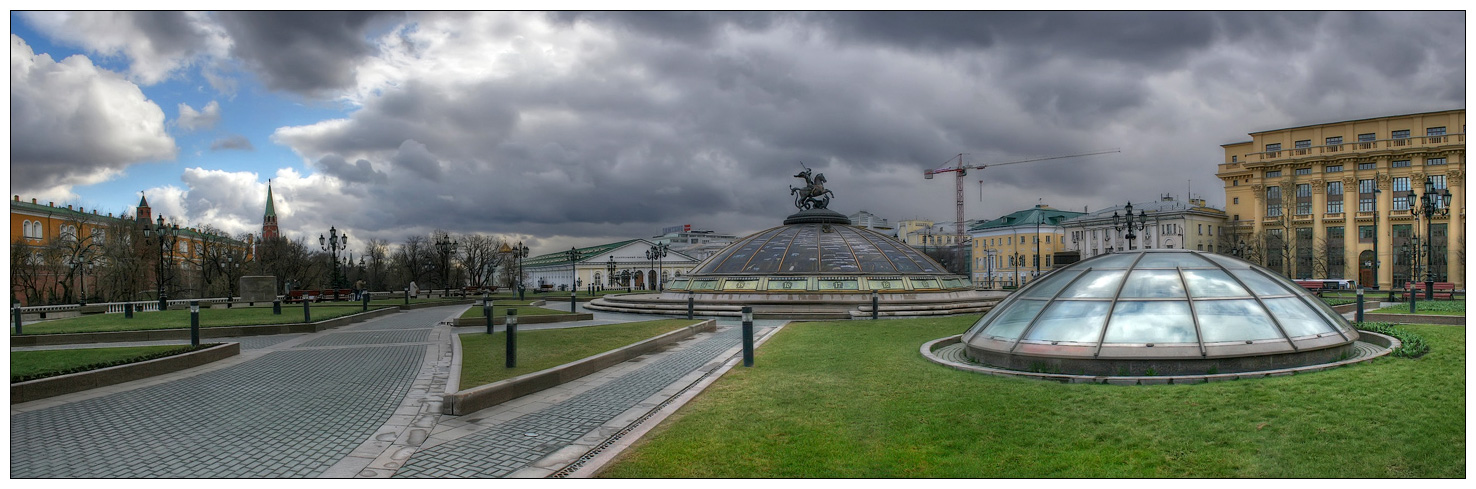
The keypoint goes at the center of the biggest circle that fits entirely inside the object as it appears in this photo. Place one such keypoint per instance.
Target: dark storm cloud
(303, 52)
(687, 27)
(234, 141)
(361, 171)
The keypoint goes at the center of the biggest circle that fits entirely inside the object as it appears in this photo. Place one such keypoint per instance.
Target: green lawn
(1443, 308)
(855, 399)
(238, 316)
(24, 363)
(500, 310)
(413, 300)
(484, 359)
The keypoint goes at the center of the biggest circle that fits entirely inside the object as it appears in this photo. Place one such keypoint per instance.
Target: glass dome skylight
(1152, 305)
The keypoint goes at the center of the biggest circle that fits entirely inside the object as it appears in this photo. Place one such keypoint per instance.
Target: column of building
(1384, 205)
(1319, 230)
(1455, 229)
(1352, 253)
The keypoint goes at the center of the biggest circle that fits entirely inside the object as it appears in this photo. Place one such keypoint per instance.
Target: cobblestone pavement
(291, 411)
(506, 447)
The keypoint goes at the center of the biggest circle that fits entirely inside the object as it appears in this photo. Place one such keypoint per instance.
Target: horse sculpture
(813, 195)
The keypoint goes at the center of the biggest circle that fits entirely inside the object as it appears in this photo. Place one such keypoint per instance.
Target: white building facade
(1171, 224)
(594, 264)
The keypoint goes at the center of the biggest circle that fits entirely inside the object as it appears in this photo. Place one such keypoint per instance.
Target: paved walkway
(358, 401)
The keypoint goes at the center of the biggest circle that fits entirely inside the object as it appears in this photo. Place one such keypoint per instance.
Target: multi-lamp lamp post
(333, 244)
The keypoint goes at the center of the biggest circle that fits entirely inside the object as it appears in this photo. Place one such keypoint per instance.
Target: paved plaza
(357, 401)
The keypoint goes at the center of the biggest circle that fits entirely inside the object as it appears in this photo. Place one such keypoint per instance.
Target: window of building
(1304, 253)
(1235, 183)
(1369, 165)
(1201, 229)
(1439, 181)
(1302, 171)
(1305, 143)
(1237, 217)
(1333, 169)
(1273, 173)
(1365, 234)
(1334, 140)
(26, 228)
(1273, 147)
(1366, 195)
(1273, 201)
(1304, 199)
(1048, 240)
(1366, 137)
(1400, 134)
(1212, 230)
(1435, 131)
(1335, 261)
(1035, 261)
(1334, 197)
(1399, 164)
(1438, 248)
(1434, 161)
(1401, 188)
(1274, 242)
(1402, 240)
(1235, 200)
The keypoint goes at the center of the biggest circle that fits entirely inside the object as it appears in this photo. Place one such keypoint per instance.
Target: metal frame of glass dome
(1174, 311)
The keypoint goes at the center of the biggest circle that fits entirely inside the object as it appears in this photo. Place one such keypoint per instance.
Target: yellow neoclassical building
(1328, 200)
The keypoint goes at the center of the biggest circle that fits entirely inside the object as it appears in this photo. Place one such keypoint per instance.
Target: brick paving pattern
(370, 338)
(498, 451)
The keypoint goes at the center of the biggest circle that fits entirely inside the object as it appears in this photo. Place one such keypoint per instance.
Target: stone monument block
(261, 288)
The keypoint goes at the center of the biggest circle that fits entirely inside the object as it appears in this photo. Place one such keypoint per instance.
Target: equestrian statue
(813, 195)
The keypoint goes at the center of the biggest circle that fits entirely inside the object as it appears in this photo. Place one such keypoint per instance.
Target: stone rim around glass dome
(1072, 312)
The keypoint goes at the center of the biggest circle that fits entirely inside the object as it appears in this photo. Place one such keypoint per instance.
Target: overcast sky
(573, 129)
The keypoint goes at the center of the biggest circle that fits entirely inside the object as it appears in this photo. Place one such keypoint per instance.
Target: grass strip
(39, 364)
(209, 318)
(1422, 306)
(484, 359)
(854, 399)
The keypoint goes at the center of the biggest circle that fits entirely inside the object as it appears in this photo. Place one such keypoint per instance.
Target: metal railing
(1264, 156)
(118, 307)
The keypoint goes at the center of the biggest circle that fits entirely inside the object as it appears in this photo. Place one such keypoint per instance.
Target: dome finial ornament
(813, 195)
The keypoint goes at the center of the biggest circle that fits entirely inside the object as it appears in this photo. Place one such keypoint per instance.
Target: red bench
(1443, 290)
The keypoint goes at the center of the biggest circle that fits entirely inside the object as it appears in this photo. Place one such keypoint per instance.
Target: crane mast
(960, 169)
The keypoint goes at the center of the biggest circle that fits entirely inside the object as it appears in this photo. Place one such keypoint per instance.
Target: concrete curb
(184, 333)
(477, 398)
(66, 384)
(1414, 319)
(540, 319)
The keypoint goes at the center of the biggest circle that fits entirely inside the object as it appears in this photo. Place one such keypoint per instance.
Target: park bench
(1443, 290)
(1312, 285)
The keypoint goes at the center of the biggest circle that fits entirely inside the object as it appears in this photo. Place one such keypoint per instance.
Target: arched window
(597, 277)
(26, 228)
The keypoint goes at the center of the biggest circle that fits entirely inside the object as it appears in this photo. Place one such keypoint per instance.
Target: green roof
(1042, 215)
(271, 210)
(562, 257)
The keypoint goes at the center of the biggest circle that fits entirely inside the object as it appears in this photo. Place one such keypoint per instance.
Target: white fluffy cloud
(157, 44)
(205, 118)
(75, 124)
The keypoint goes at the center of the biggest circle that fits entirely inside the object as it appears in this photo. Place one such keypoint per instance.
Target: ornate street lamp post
(610, 271)
(656, 254)
(446, 246)
(1431, 204)
(165, 237)
(1121, 222)
(574, 256)
(333, 244)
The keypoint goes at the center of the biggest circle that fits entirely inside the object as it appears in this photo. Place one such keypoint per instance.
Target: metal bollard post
(1413, 297)
(874, 302)
(691, 305)
(277, 307)
(195, 323)
(128, 311)
(17, 311)
(1359, 315)
(407, 295)
(365, 298)
(747, 336)
(512, 338)
(307, 310)
(571, 302)
(487, 311)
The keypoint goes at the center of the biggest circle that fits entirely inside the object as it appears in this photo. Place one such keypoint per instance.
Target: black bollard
(691, 305)
(521, 290)
(365, 298)
(571, 302)
(1429, 290)
(512, 338)
(747, 336)
(17, 311)
(1413, 295)
(874, 303)
(487, 311)
(128, 311)
(277, 307)
(195, 323)
(307, 310)
(1359, 315)
(407, 296)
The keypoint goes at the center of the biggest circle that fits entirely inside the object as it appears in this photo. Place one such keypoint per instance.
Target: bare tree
(376, 253)
(411, 262)
(480, 258)
(289, 261)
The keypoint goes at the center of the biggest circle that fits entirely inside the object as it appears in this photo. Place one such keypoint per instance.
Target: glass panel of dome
(1077, 321)
(1296, 318)
(1151, 322)
(1012, 322)
(1227, 262)
(867, 256)
(1047, 287)
(1259, 284)
(1213, 283)
(1153, 284)
(1096, 283)
(1171, 260)
(802, 257)
(737, 261)
(771, 253)
(1233, 320)
(835, 256)
(898, 257)
(1111, 261)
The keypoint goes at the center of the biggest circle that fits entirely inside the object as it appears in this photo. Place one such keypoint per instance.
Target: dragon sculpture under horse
(813, 195)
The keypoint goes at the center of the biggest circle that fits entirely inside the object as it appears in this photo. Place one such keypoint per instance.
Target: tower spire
(269, 219)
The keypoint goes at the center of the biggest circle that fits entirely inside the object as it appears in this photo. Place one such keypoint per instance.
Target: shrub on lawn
(1413, 345)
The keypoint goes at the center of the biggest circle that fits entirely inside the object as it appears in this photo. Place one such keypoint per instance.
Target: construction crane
(960, 169)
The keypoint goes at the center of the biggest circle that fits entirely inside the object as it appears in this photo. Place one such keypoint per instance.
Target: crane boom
(960, 169)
